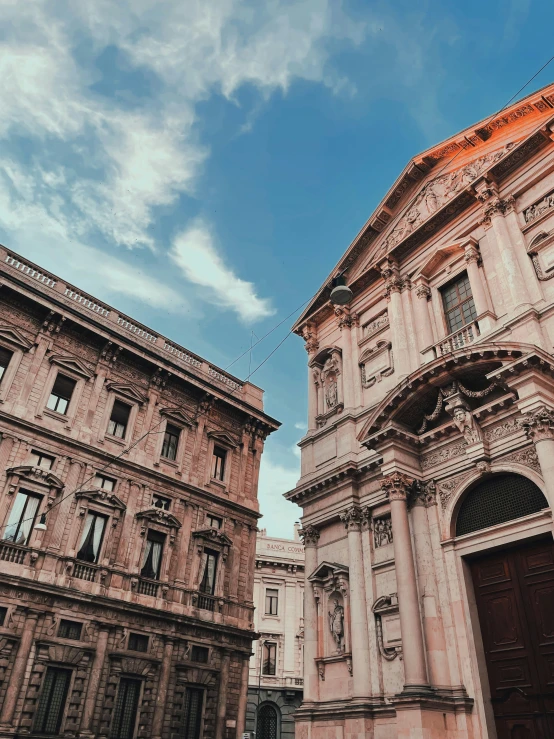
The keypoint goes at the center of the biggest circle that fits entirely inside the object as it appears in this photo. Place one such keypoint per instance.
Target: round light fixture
(41, 525)
(341, 294)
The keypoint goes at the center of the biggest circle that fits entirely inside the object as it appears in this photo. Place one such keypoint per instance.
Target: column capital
(539, 424)
(396, 485)
(423, 292)
(471, 254)
(346, 318)
(352, 518)
(393, 285)
(309, 535)
(311, 344)
(423, 494)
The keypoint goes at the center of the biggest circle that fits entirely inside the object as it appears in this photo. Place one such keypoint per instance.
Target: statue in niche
(331, 391)
(463, 418)
(336, 624)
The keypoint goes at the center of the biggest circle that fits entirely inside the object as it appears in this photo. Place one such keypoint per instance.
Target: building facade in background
(427, 480)
(129, 471)
(275, 679)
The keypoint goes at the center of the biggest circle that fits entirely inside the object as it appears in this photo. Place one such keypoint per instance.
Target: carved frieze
(527, 457)
(375, 325)
(447, 488)
(537, 209)
(376, 362)
(382, 531)
(443, 455)
(500, 430)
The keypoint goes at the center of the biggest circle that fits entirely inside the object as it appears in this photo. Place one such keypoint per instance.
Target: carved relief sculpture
(382, 531)
(336, 625)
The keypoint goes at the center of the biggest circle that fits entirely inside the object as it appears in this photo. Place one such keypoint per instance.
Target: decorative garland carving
(447, 488)
(526, 457)
(448, 391)
(502, 429)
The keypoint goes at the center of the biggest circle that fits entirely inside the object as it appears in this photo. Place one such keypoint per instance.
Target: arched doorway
(268, 722)
(514, 594)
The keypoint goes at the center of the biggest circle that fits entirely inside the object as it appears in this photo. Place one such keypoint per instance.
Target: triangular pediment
(177, 415)
(37, 474)
(213, 535)
(445, 253)
(73, 364)
(159, 516)
(127, 390)
(328, 569)
(102, 497)
(14, 338)
(223, 438)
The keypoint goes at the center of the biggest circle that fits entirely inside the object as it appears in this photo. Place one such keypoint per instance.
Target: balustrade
(457, 340)
(148, 587)
(84, 572)
(13, 553)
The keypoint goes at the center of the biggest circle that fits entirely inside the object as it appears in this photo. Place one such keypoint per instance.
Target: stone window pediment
(159, 517)
(213, 539)
(330, 576)
(177, 416)
(143, 667)
(14, 338)
(72, 364)
(196, 675)
(223, 439)
(37, 475)
(127, 390)
(102, 497)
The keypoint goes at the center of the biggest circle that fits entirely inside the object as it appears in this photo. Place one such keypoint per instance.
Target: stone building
(275, 681)
(129, 471)
(427, 480)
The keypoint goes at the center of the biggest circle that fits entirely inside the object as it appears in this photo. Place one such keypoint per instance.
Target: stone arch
(268, 720)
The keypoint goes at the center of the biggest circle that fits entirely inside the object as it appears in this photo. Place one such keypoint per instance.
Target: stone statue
(332, 394)
(464, 420)
(336, 624)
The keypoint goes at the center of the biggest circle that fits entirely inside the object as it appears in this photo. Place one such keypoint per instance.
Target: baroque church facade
(427, 481)
(128, 519)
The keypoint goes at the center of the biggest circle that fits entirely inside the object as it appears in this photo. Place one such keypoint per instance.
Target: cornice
(313, 487)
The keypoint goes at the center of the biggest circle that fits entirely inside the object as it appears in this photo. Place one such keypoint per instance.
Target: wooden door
(514, 589)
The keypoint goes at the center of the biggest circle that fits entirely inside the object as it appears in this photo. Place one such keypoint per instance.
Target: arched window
(501, 498)
(268, 722)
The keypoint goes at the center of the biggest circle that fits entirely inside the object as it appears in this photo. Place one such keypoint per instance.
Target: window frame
(203, 571)
(134, 404)
(63, 708)
(454, 282)
(218, 452)
(99, 475)
(126, 679)
(42, 455)
(60, 377)
(197, 731)
(177, 436)
(163, 498)
(13, 341)
(29, 494)
(210, 517)
(137, 635)
(201, 661)
(80, 540)
(268, 644)
(59, 368)
(142, 562)
(113, 435)
(70, 623)
(273, 599)
(4, 368)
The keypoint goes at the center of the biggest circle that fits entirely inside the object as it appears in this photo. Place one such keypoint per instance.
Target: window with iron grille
(119, 419)
(125, 710)
(138, 642)
(61, 394)
(158, 501)
(457, 300)
(49, 714)
(70, 629)
(199, 654)
(3, 614)
(214, 522)
(38, 459)
(171, 442)
(218, 463)
(192, 714)
(499, 499)
(267, 722)
(22, 518)
(103, 482)
(5, 357)
(269, 658)
(271, 602)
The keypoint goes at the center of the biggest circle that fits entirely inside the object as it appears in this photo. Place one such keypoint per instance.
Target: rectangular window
(269, 658)
(5, 357)
(22, 518)
(171, 442)
(138, 642)
(457, 300)
(48, 717)
(207, 584)
(61, 394)
(218, 463)
(214, 522)
(91, 540)
(3, 614)
(271, 602)
(125, 709)
(152, 560)
(38, 459)
(158, 501)
(192, 714)
(70, 629)
(199, 654)
(105, 483)
(119, 419)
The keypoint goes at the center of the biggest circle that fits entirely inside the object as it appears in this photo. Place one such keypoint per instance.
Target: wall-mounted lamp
(341, 294)
(41, 525)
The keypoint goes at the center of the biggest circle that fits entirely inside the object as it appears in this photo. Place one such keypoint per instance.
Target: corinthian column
(352, 519)
(476, 279)
(397, 486)
(539, 426)
(310, 537)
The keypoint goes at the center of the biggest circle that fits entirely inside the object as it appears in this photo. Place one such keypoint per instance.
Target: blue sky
(202, 165)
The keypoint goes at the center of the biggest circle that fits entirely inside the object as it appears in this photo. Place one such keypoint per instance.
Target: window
(158, 501)
(138, 642)
(105, 483)
(125, 710)
(214, 522)
(22, 518)
(218, 463)
(119, 419)
(3, 614)
(50, 709)
(171, 442)
(459, 307)
(267, 722)
(61, 394)
(269, 658)
(38, 459)
(199, 654)
(91, 541)
(152, 561)
(70, 629)
(5, 357)
(207, 584)
(192, 715)
(271, 602)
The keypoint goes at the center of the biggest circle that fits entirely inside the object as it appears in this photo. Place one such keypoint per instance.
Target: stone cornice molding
(539, 424)
(309, 535)
(397, 485)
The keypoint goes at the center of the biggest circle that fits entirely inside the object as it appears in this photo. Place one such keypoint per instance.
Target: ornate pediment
(14, 338)
(73, 364)
(222, 438)
(214, 536)
(127, 390)
(433, 262)
(330, 576)
(160, 517)
(177, 415)
(37, 475)
(102, 497)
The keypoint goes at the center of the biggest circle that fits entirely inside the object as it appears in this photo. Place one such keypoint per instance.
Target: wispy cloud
(195, 254)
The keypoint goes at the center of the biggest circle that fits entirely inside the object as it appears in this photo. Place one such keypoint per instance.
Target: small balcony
(205, 602)
(84, 571)
(148, 587)
(13, 553)
(457, 340)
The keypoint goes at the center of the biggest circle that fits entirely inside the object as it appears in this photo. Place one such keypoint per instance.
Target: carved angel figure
(336, 624)
(466, 423)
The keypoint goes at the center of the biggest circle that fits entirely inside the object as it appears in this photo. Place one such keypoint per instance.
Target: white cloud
(193, 251)
(275, 480)
(301, 425)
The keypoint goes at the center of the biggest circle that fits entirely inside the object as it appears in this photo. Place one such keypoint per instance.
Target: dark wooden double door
(514, 589)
